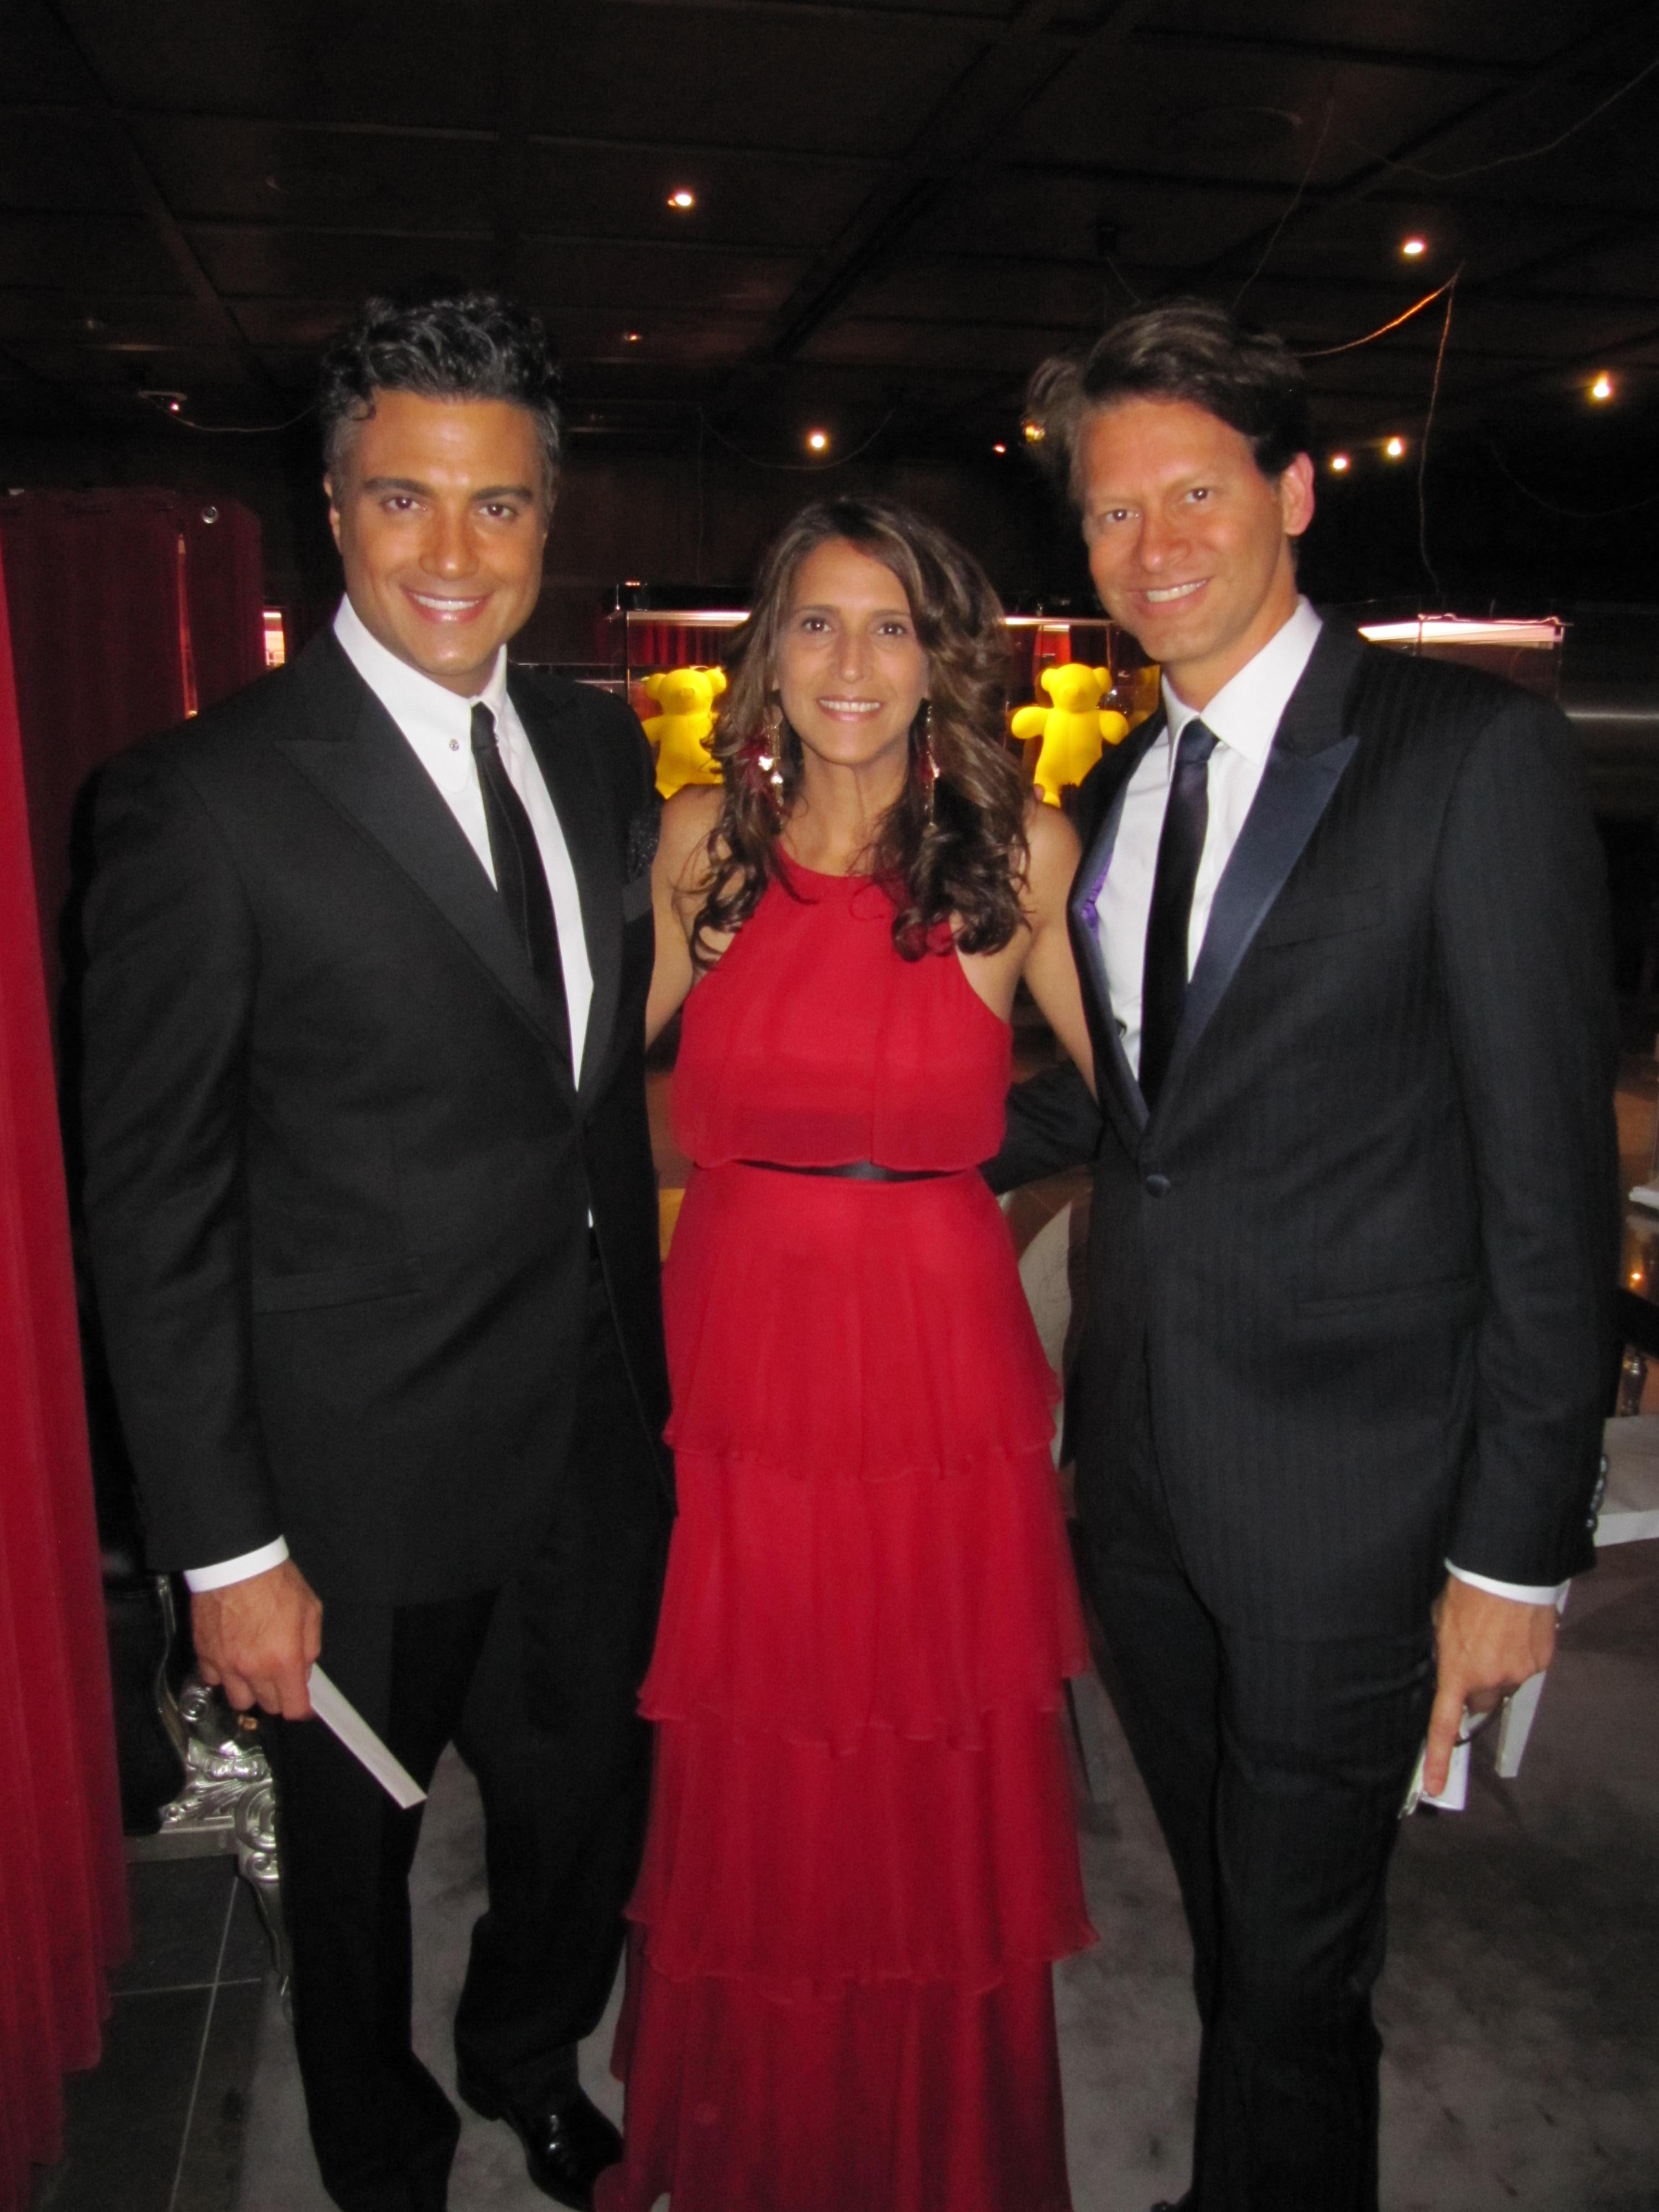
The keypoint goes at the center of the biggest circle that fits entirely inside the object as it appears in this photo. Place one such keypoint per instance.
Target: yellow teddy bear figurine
(1073, 730)
(682, 730)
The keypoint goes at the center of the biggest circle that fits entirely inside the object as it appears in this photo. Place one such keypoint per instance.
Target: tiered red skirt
(862, 1860)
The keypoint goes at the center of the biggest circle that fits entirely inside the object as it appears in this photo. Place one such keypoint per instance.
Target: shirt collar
(1247, 709)
(415, 703)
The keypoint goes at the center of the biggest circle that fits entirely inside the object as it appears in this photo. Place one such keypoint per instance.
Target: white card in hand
(1455, 1797)
(339, 1714)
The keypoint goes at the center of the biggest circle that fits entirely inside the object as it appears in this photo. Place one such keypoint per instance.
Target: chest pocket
(1327, 913)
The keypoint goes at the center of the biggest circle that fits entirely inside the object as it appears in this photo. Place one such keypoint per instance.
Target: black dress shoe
(568, 2142)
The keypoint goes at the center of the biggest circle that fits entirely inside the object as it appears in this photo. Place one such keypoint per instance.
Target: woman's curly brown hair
(959, 863)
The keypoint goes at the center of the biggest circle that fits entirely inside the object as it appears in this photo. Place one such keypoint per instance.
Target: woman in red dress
(862, 1860)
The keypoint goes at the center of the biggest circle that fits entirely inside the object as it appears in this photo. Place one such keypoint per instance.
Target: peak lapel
(1106, 804)
(593, 842)
(1310, 750)
(354, 755)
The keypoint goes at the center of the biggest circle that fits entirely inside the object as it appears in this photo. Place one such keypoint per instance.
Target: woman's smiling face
(851, 673)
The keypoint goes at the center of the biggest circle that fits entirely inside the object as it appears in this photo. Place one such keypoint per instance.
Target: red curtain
(63, 1891)
(225, 592)
(100, 646)
(129, 610)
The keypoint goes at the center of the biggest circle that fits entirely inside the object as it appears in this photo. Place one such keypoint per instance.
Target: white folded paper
(1455, 1797)
(338, 1713)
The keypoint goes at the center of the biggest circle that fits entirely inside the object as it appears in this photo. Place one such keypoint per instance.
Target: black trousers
(1276, 1770)
(536, 1684)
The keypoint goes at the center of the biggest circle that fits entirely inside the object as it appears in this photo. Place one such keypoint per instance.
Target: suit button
(1156, 1186)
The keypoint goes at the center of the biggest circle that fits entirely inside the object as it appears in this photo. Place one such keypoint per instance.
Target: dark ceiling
(898, 208)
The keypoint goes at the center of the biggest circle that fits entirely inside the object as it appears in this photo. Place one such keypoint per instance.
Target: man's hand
(257, 1639)
(1486, 1646)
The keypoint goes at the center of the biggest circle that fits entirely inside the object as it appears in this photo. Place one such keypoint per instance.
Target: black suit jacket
(1362, 1255)
(338, 1171)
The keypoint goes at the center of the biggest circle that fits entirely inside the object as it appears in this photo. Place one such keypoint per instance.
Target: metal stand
(228, 1802)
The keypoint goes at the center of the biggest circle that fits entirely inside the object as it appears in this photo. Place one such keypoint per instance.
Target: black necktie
(1164, 982)
(519, 876)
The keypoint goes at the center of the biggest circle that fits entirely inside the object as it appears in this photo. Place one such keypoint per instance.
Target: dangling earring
(927, 766)
(766, 753)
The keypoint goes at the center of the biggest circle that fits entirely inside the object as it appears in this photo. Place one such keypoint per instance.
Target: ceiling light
(1395, 448)
(682, 199)
(1340, 463)
(1602, 387)
(818, 440)
(998, 448)
(1411, 247)
(1034, 432)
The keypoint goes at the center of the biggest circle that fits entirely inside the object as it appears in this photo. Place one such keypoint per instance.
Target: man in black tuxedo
(374, 1229)
(1340, 924)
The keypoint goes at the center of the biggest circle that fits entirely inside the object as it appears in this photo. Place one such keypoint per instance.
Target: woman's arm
(1049, 970)
(679, 876)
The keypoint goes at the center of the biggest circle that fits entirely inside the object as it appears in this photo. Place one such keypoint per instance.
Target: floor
(159, 2126)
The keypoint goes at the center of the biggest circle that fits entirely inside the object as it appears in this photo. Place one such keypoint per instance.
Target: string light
(682, 199)
(817, 441)
(998, 448)
(1602, 387)
(1395, 449)
(1411, 247)
(1034, 432)
(1340, 464)
(631, 338)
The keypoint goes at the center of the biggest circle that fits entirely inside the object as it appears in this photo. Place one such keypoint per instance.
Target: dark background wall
(702, 516)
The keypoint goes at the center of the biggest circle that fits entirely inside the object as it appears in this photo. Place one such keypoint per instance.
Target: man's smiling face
(440, 509)
(1189, 544)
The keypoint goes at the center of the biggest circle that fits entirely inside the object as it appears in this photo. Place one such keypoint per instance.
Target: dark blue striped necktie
(1180, 848)
(520, 878)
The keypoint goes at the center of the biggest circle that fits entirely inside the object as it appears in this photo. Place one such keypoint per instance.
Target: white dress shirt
(438, 725)
(1244, 716)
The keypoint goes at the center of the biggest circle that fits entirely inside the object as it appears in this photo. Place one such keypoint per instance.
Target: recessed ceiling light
(1411, 247)
(818, 440)
(1340, 463)
(998, 448)
(682, 199)
(1395, 448)
(1602, 387)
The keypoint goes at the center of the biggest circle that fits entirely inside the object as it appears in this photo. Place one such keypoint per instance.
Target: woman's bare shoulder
(1053, 845)
(689, 820)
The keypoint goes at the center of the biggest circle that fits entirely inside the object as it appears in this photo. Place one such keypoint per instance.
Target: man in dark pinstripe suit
(1340, 923)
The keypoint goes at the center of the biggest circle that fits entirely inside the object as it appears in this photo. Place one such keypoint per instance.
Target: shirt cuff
(1523, 1593)
(239, 1569)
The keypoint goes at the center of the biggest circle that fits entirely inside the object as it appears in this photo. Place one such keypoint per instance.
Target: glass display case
(1527, 653)
(637, 632)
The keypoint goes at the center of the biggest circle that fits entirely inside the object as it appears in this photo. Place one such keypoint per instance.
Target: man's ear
(1296, 496)
(334, 505)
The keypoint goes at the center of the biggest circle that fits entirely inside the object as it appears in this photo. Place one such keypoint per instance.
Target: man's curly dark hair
(443, 344)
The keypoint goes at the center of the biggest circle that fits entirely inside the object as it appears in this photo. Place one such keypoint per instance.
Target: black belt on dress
(855, 1171)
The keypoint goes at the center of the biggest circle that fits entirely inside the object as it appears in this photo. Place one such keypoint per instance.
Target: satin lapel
(593, 842)
(356, 755)
(1085, 942)
(1310, 753)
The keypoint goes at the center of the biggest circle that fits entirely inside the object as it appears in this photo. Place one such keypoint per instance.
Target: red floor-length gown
(862, 1859)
